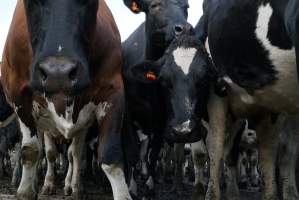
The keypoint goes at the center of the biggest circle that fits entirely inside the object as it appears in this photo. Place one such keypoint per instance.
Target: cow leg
(268, 144)
(153, 155)
(3, 151)
(179, 161)
(68, 179)
(110, 152)
(16, 176)
(287, 171)
(254, 174)
(200, 157)
(242, 170)
(30, 153)
(51, 155)
(217, 107)
(77, 150)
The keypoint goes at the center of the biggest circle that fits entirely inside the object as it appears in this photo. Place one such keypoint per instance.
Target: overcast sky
(127, 21)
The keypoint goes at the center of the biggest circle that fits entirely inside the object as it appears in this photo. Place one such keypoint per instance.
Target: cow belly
(283, 95)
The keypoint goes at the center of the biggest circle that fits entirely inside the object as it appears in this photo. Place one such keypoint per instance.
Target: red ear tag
(134, 6)
(151, 76)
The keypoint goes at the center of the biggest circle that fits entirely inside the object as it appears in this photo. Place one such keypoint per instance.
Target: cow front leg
(200, 157)
(217, 120)
(110, 153)
(179, 161)
(242, 170)
(68, 179)
(254, 172)
(30, 154)
(287, 171)
(77, 150)
(268, 144)
(17, 171)
(51, 155)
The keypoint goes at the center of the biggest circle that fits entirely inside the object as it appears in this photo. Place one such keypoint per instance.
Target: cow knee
(29, 154)
(51, 155)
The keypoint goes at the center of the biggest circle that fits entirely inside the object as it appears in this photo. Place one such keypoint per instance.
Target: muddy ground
(92, 192)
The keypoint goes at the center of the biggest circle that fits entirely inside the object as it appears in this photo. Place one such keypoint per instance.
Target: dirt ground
(92, 192)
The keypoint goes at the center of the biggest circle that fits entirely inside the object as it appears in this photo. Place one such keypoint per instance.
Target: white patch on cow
(183, 57)
(133, 184)
(101, 110)
(29, 169)
(141, 135)
(184, 127)
(117, 180)
(60, 48)
(283, 95)
(65, 125)
(150, 183)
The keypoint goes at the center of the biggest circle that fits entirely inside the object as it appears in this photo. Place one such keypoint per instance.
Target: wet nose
(179, 29)
(58, 73)
(183, 129)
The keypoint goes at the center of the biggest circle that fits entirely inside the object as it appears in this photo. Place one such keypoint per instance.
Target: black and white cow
(253, 45)
(183, 76)
(248, 173)
(165, 19)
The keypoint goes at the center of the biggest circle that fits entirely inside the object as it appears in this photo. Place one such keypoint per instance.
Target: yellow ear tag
(151, 76)
(135, 7)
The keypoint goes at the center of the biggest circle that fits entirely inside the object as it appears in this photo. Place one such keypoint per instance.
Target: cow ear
(145, 72)
(136, 6)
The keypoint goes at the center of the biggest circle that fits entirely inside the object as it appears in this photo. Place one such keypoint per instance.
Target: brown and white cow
(61, 72)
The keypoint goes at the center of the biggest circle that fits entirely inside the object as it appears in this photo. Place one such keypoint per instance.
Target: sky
(126, 20)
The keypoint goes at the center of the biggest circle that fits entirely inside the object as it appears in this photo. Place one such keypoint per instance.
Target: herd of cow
(228, 87)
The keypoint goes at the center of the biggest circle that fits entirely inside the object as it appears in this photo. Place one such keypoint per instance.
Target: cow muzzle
(59, 74)
(183, 128)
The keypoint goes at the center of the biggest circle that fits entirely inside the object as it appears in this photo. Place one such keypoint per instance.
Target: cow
(165, 20)
(248, 173)
(183, 75)
(61, 73)
(253, 47)
(9, 132)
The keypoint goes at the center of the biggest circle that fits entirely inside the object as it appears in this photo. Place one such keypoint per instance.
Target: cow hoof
(26, 196)
(48, 190)
(67, 190)
(76, 195)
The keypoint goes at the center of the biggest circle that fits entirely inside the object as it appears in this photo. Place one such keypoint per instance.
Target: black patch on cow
(277, 32)
(234, 46)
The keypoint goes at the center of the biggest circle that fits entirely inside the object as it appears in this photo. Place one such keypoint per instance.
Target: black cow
(252, 45)
(9, 132)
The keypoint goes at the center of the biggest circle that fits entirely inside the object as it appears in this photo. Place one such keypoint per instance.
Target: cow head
(165, 19)
(59, 31)
(292, 25)
(183, 75)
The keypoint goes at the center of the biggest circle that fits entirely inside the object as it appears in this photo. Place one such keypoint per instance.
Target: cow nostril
(178, 29)
(43, 74)
(73, 73)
